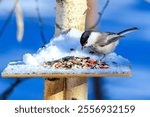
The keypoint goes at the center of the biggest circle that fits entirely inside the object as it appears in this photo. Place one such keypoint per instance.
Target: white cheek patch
(92, 38)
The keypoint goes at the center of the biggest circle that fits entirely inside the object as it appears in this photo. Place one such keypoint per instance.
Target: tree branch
(40, 23)
(59, 27)
(6, 94)
(4, 26)
(19, 21)
(100, 15)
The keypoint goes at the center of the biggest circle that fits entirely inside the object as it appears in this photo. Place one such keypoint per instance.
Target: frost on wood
(60, 47)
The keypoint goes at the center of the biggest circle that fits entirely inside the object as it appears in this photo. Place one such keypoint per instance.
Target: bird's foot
(92, 52)
(104, 65)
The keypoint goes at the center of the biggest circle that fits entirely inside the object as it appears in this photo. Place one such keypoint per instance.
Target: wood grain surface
(4, 75)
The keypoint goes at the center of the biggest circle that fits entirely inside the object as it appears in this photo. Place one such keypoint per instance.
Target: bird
(103, 42)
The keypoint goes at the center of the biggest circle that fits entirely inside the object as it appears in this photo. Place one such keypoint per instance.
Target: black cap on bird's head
(84, 38)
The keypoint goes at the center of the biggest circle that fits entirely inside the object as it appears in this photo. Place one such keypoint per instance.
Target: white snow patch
(29, 69)
(29, 59)
(59, 47)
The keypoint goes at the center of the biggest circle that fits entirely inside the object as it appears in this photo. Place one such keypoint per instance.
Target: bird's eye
(86, 42)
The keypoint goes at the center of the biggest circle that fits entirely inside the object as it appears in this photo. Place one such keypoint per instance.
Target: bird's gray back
(102, 39)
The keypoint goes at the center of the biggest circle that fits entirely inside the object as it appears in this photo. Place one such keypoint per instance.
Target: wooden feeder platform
(49, 75)
(28, 71)
(65, 84)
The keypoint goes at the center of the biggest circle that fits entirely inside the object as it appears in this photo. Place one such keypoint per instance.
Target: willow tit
(102, 42)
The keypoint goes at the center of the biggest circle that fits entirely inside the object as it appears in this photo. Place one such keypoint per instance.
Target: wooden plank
(5, 75)
(54, 89)
(76, 89)
(65, 89)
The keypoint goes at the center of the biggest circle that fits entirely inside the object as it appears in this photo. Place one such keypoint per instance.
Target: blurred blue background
(119, 15)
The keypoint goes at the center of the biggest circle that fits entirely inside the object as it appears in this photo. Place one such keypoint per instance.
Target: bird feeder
(69, 85)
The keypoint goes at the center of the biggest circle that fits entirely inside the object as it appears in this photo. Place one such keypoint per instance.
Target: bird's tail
(120, 35)
(127, 31)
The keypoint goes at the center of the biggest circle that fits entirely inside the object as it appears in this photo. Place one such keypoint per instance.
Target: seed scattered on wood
(71, 62)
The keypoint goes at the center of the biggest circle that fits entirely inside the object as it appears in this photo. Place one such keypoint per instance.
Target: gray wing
(101, 39)
(107, 38)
